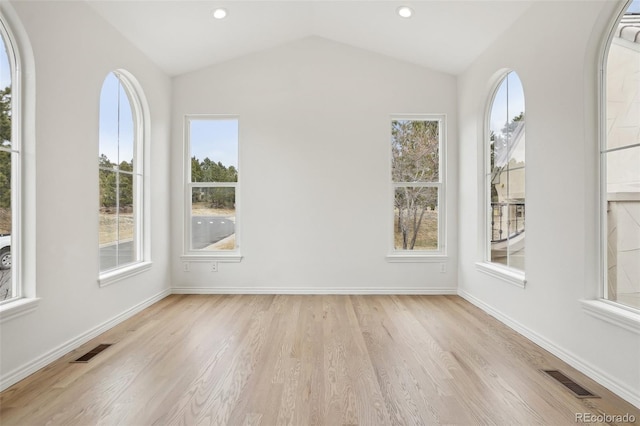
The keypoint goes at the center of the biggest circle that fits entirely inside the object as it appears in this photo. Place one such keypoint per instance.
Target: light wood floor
(333, 360)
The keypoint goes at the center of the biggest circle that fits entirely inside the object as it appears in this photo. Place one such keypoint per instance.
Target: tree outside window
(120, 176)
(416, 146)
(506, 174)
(9, 185)
(212, 184)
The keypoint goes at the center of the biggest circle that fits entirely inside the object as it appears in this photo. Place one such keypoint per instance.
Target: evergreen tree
(209, 171)
(5, 142)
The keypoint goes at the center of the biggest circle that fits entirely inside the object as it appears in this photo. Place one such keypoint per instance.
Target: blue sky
(5, 71)
(508, 103)
(216, 139)
(116, 122)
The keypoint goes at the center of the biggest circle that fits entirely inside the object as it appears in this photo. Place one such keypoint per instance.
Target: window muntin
(120, 174)
(505, 179)
(620, 164)
(10, 158)
(416, 175)
(212, 184)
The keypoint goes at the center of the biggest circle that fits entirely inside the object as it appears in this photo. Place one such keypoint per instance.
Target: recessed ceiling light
(405, 11)
(220, 13)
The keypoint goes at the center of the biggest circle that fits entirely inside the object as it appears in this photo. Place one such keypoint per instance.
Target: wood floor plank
(306, 360)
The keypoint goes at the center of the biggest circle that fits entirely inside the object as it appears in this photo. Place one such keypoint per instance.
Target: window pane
(116, 137)
(108, 137)
(125, 130)
(214, 150)
(499, 232)
(117, 223)
(126, 223)
(623, 222)
(5, 192)
(108, 219)
(508, 234)
(213, 218)
(117, 167)
(515, 179)
(415, 148)
(623, 171)
(416, 218)
(516, 241)
(622, 189)
(6, 278)
(507, 174)
(623, 100)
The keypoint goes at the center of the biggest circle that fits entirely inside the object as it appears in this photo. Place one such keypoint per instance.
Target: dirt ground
(427, 234)
(112, 227)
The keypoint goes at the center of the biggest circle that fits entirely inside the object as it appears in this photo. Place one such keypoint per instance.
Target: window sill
(416, 258)
(505, 274)
(17, 308)
(230, 258)
(613, 313)
(120, 274)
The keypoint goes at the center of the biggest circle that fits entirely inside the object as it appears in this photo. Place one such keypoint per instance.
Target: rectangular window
(212, 185)
(417, 170)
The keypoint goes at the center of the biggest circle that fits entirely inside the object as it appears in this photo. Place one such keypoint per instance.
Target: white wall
(315, 179)
(74, 50)
(315, 168)
(558, 71)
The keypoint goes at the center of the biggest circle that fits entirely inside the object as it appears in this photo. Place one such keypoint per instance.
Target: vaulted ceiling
(182, 36)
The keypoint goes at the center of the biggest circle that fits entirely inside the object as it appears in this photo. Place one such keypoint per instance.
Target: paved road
(207, 230)
(116, 254)
(5, 284)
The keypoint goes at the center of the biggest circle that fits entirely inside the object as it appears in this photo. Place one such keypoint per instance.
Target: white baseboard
(316, 290)
(42, 361)
(630, 395)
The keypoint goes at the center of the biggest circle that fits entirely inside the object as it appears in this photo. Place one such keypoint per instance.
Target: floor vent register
(92, 353)
(575, 388)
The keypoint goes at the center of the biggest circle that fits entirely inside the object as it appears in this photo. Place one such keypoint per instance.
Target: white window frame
(485, 265)
(189, 254)
(422, 256)
(141, 202)
(620, 315)
(23, 203)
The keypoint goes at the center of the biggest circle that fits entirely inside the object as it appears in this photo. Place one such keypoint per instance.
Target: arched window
(120, 165)
(620, 162)
(10, 162)
(505, 175)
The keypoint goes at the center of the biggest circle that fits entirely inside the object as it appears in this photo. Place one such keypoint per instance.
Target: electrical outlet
(443, 268)
(214, 266)
(185, 266)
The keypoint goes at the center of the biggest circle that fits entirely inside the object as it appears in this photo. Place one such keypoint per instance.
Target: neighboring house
(508, 185)
(623, 170)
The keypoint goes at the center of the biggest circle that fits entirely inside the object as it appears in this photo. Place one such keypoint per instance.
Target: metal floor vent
(577, 390)
(93, 352)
